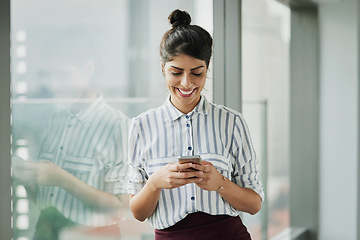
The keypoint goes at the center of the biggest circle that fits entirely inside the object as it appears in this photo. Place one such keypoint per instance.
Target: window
(65, 54)
(265, 66)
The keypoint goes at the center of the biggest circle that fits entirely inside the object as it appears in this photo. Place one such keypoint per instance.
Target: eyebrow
(183, 69)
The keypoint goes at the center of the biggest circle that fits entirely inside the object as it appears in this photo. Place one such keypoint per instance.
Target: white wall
(338, 120)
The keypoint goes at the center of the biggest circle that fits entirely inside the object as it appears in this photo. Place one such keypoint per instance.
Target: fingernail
(200, 179)
(201, 172)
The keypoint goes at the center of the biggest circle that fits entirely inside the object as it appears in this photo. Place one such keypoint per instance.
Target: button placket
(64, 142)
(192, 197)
(189, 128)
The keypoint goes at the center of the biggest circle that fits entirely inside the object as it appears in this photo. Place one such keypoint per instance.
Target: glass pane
(255, 113)
(80, 70)
(265, 35)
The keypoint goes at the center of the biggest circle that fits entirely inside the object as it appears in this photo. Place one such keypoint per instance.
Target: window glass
(80, 69)
(265, 65)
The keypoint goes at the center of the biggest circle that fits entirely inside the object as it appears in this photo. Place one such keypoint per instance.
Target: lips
(185, 93)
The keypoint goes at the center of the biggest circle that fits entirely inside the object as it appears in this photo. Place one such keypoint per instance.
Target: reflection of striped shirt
(218, 134)
(91, 145)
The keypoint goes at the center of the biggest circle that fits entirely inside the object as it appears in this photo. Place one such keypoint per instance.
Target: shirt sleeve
(137, 174)
(116, 178)
(246, 173)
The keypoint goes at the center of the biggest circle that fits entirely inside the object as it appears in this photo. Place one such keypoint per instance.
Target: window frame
(227, 53)
(304, 123)
(5, 127)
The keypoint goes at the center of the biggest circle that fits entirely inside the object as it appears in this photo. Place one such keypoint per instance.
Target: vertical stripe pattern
(92, 146)
(216, 133)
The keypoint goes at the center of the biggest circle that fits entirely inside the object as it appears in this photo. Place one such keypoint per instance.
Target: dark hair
(184, 38)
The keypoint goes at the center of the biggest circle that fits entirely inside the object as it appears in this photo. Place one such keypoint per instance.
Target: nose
(186, 81)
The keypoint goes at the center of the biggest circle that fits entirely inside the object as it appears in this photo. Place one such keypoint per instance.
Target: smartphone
(187, 159)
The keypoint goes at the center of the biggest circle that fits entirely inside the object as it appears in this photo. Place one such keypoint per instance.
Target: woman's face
(185, 77)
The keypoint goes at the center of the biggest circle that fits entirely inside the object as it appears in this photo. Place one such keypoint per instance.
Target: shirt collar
(173, 113)
(91, 111)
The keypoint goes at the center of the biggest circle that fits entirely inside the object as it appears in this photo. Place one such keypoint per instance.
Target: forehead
(185, 62)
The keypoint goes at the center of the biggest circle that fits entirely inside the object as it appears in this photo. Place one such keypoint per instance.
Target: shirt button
(69, 125)
(61, 148)
(51, 194)
(187, 117)
(193, 198)
(188, 125)
(190, 148)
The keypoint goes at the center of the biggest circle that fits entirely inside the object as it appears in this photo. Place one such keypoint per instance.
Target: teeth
(186, 92)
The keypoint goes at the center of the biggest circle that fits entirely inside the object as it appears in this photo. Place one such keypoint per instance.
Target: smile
(184, 93)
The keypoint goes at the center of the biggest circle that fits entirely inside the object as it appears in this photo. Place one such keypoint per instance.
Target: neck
(184, 108)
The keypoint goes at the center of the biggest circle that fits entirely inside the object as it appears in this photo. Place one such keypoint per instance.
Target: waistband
(205, 227)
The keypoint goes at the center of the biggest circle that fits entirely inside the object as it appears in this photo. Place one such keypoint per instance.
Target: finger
(178, 182)
(195, 180)
(206, 163)
(203, 168)
(25, 175)
(25, 171)
(189, 174)
(24, 165)
(184, 166)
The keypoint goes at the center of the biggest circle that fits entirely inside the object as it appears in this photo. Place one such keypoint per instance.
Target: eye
(175, 73)
(197, 74)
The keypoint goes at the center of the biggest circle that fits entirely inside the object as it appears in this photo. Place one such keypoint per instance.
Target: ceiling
(306, 4)
(299, 4)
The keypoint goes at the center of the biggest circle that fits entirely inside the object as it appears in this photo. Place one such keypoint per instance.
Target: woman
(189, 200)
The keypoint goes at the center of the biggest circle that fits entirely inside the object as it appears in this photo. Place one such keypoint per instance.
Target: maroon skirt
(204, 226)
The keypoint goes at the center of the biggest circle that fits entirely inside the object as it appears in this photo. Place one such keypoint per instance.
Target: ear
(162, 67)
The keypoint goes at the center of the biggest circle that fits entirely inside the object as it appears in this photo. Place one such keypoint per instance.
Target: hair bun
(179, 18)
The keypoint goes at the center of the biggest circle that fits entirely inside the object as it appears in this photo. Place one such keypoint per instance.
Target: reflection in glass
(80, 69)
(79, 175)
(70, 145)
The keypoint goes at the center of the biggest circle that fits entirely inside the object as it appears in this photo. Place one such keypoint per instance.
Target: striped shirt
(216, 133)
(91, 145)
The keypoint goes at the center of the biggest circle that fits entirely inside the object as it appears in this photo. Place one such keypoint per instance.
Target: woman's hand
(50, 174)
(243, 199)
(174, 175)
(211, 178)
(43, 173)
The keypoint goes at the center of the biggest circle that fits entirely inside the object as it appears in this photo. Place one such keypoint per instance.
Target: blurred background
(290, 66)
